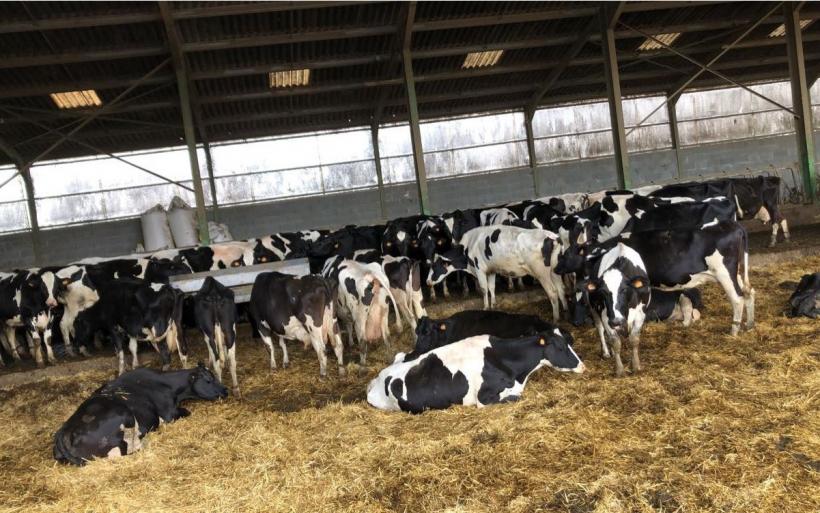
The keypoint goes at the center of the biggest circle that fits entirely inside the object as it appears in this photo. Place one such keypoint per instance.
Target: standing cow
(506, 250)
(215, 313)
(296, 309)
(25, 302)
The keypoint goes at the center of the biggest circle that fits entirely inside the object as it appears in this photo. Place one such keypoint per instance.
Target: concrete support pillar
(415, 133)
(209, 164)
(616, 112)
(32, 215)
(801, 100)
(528, 115)
(377, 159)
(671, 108)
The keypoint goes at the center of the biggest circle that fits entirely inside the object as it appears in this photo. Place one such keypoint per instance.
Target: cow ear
(638, 283)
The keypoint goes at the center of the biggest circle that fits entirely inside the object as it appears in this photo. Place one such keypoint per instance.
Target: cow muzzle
(51, 302)
(580, 368)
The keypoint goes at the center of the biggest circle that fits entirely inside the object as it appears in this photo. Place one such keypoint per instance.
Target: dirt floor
(713, 423)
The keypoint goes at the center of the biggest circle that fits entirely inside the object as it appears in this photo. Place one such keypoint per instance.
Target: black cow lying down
(433, 333)
(806, 299)
(113, 421)
(476, 371)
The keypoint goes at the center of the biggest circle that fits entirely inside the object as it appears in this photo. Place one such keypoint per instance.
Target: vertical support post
(616, 112)
(415, 133)
(187, 118)
(374, 133)
(528, 115)
(801, 101)
(32, 214)
(209, 163)
(671, 108)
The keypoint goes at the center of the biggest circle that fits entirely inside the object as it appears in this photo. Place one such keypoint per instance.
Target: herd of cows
(620, 258)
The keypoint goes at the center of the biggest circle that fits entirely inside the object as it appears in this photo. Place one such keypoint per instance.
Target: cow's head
(396, 241)
(446, 263)
(34, 295)
(203, 385)
(336, 243)
(572, 259)
(431, 333)
(69, 278)
(158, 270)
(262, 254)
(622, 294)
(557, 352)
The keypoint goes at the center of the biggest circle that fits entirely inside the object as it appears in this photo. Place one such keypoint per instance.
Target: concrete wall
(67, 244)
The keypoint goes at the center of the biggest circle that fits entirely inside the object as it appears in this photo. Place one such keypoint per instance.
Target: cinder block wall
(113, 238)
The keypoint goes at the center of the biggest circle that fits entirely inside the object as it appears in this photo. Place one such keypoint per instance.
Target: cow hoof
(363, 370)
(342, 371)
(41, 365)
(285, 365)
(237, 393)
(606, 356)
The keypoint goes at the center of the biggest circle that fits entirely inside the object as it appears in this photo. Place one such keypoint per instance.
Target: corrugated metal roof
(353, 50)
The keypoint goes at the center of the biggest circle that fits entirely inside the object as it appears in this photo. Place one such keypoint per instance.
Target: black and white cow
(696, 191)
(215, 314)
(363, 302)
(433, 333)
(219, 256)
(283, 246)
(806, 298)
(495, 216)
(509, 251)
(400, 236)
(344, 242)
(621, 207)
(404, 276)
(132, 310)
(617, 295)
(72, 287)
(295, 308)
(683, 216)
(759, 198)
(477, 371)
(114, 420)
(25, 302)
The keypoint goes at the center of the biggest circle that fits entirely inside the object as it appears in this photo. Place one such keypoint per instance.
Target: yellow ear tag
(591, 286)
(637, 283)
(263, 259)
(442, 327)
(66, 282)
(541, 341)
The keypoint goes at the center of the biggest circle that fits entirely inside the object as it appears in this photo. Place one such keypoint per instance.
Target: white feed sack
(156, 234)
(182, 219)
(219, 232)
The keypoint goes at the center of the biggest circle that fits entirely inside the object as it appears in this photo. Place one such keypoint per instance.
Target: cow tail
(62, 452)
(219, 335)
(743, 258)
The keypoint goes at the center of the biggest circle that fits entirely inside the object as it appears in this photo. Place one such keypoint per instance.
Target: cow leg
(66, 324)
(11, 338)
(284, 348)
(785, 226)
(132, 346)
(510, 284)
(773, 240)
(386, 338)
(491, 289)
(164, 354)
(553, 296)
(268, 341)
(445, 290)
(749, 303)
(231, 360)
(119, 350)
(687, 310)
(481, 278)
(465, 287)
(635, 342)
(49, 351)
(615, 340)
(433, 293)
(338, 350)
(599, 326)
(319, 346)
(35, 347)
(213, 354)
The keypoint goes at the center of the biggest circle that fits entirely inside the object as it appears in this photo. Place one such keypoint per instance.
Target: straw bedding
(713, 423)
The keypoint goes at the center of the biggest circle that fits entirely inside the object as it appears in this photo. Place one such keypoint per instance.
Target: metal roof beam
(98, 84)
(231, 41)
(72, 22)
(74, 56)
(259, 69)
(238, 8)
(502, 19)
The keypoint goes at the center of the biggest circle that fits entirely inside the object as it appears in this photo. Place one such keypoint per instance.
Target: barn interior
(278, 116)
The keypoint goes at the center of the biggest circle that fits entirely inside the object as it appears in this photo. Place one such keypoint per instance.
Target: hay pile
(712, 424)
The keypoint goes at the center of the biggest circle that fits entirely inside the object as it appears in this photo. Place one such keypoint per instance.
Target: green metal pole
(801, 101)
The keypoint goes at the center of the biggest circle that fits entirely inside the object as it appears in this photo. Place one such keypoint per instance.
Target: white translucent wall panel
(91, 175)
(728, 114)
(575, 132)
(472, 131)
(111, 204)
(13, 208)
(815, 102)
